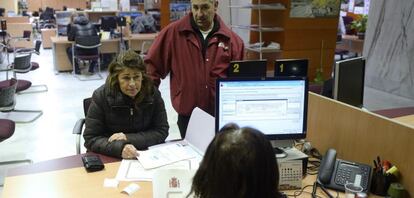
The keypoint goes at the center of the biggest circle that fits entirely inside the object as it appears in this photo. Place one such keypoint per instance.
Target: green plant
(360, 24)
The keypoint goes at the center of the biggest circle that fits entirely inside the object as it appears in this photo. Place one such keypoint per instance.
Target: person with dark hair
(194, 51)
(127, 113)
(239, 162)
(81, 27)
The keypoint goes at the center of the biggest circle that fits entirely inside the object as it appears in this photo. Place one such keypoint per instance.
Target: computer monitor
(275, 106)
(108, 23)
(247, 68)
(349, 81)
(291, 67)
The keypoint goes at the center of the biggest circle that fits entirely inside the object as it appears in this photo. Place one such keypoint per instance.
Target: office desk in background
(60, 58)
(141, 42)
(61, 62)
(351, 43)
(66, 177)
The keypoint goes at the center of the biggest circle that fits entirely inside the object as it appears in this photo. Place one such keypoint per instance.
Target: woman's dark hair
(130, 59)
(239, 162)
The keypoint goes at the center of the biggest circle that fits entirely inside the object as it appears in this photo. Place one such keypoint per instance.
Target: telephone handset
(335, 173)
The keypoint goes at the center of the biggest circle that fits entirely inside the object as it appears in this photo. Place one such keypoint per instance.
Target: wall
(389, 47)
(10, 5)
(34, 5)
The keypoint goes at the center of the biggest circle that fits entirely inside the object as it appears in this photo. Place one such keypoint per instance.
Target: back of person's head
(239, 162)
(131, 60)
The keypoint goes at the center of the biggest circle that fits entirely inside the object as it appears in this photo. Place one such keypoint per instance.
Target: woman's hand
(117, 136)
(129, 152)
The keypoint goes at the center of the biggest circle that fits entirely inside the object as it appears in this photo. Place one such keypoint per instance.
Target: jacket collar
(184, 25)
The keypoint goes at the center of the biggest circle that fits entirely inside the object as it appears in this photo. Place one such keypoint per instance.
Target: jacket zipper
(131, 110)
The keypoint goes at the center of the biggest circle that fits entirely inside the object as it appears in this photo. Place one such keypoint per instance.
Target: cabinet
(312, 38)
(261, 45)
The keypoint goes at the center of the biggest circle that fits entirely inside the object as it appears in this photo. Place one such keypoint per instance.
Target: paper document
(132, 170)
(163, 155)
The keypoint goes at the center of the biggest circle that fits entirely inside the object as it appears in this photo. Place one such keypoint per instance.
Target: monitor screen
(247, 68)
(108, 23)
(291, 67)
(275, 106)
(349, 81)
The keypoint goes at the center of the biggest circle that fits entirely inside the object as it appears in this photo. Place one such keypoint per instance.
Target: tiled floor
(51, 135)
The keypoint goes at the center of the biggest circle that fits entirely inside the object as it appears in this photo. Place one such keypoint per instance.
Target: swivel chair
(8, 103)
(6, 131)
(86, 43)
(78, 128)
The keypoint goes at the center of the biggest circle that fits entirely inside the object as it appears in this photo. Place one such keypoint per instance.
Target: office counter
(66, 177)
(357, 135)
(361, 136)
(408, 119)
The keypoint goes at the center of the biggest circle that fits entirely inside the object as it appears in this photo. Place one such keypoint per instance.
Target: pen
(375, 165)
(379, 164)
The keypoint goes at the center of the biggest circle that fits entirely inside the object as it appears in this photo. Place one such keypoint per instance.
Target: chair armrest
(77, 129)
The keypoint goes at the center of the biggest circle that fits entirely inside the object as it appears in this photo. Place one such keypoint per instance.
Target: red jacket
(177, 51)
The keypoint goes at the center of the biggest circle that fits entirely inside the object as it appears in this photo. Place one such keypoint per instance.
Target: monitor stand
(278, 146)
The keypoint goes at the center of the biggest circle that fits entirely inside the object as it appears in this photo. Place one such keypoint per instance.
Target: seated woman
(239, 162)
(127, 113)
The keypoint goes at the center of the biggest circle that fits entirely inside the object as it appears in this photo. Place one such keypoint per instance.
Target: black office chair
(86, 43)
(78, 128)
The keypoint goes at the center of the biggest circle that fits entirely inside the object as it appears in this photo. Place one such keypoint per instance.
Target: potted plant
(360, 25)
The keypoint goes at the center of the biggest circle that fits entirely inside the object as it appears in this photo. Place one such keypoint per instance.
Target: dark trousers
(182, 123)
(82, 52)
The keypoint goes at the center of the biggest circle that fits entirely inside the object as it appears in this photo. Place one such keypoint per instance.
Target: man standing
(194, 50)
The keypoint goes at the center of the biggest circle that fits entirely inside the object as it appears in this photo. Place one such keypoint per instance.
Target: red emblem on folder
(174, 182)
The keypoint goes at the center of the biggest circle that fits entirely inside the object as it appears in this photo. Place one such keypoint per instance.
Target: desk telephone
(335, 173)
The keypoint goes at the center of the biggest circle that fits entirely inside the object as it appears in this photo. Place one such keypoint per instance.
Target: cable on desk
(299, 192)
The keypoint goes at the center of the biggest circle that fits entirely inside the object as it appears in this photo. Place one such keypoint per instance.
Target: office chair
(25, 37)
(22, 64)
(82, 44)
(78, 128)
(8, 102)
(6, 131)
(23, 68)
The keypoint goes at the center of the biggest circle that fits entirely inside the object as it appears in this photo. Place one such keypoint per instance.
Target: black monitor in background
(247, 68)
(121, 21)
(349, 81)
(3, 25)
(291, 67)
(275, 106)
(97, 26)
(108, 23)
(2, 11)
